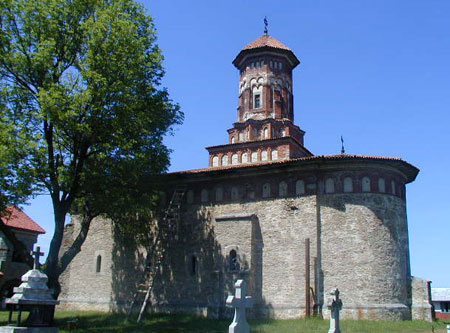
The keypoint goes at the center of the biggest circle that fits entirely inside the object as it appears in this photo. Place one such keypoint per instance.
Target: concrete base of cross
(239, 328)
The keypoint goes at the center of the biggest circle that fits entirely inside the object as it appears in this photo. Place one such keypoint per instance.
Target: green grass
(97, 322)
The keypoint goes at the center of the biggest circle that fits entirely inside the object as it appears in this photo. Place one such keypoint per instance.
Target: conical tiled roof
(263, 44)
(266, 40)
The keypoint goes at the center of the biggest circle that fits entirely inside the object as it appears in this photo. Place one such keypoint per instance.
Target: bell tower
(265, 129)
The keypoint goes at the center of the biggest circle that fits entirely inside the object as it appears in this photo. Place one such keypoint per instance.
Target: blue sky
(376, 72)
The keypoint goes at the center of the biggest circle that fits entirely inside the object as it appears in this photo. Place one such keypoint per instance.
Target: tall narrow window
(98, 264)
(194, 265)
(282, 189)
(233, 261)
(266, 190)
(257, 101)
(215, 161)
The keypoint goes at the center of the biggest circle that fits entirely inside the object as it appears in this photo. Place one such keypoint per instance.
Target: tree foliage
(81, 96)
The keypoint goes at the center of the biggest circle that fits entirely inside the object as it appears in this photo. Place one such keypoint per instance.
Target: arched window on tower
(244, 158)
(274, 155)
(234, 159)
(215, 162)
(264, 155)
(266, 133)
(224, 160)
(254, 156)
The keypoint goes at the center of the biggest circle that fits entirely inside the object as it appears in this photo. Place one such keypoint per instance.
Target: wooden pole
(307, 281)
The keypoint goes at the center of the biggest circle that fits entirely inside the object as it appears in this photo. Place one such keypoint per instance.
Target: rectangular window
(257, 101)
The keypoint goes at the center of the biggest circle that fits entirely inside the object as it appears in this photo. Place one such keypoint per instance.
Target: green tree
(82, 97)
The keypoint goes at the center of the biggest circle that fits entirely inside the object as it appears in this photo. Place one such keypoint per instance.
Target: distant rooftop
(16, 218)
(440, 294)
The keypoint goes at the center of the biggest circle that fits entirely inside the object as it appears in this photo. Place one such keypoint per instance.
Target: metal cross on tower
(37, 253)
(266, 30)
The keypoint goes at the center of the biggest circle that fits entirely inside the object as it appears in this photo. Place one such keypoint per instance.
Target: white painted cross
(335, 305)
(240, 301)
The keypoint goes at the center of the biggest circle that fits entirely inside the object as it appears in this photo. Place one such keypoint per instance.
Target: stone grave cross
(334, 305)
(240, 301)
(37, 253)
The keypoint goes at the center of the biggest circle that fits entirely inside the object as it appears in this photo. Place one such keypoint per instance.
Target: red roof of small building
(266, 40)
(16, 218)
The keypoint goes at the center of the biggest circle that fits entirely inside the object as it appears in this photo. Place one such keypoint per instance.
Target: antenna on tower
(342, 145)
(266, 31)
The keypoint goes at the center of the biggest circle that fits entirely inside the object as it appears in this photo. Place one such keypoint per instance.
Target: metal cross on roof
(342, 145)
(37, 253)
(266, 31)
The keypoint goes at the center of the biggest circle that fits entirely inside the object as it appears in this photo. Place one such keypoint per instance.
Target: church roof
(266, 40)
(410, 170)
(266, 43)
(16, 218)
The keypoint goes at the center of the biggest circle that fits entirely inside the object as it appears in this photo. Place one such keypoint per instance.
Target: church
(292, 224)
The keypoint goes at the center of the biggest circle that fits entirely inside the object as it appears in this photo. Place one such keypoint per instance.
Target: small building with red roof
(266, 209)
(27, 231)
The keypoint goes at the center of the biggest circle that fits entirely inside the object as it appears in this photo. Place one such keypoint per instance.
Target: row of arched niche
(245, 158)
(217, 194)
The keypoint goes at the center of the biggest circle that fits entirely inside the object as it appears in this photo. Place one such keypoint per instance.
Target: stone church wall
(362, 250)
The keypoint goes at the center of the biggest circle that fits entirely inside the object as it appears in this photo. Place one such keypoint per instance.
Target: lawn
(115, 323)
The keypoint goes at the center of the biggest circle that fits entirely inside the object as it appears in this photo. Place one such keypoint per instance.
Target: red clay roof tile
(266, 40)
(16, 218)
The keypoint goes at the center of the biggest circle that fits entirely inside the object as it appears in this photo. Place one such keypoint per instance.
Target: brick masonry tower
(265, 129)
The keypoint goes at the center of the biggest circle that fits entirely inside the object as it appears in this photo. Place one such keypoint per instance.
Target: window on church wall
(254, 156)
(233, 261)
(282, 189)
(348, 184)
(266, 190)
(381, 185)
(204, 195)
(241, 136)
(233, 139)
(264, 155)
(224, 160)
(280, 65)
(283, 132)
(193, 265)
(219, 194)
(271, 64)
(244, 158)
(299, 187)
(215, 161)
(266, 133)
(98, 264)
(234, 193)
(393, 187)
(365, 183)
(274, 155)
(190, 196)
(329, 185)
